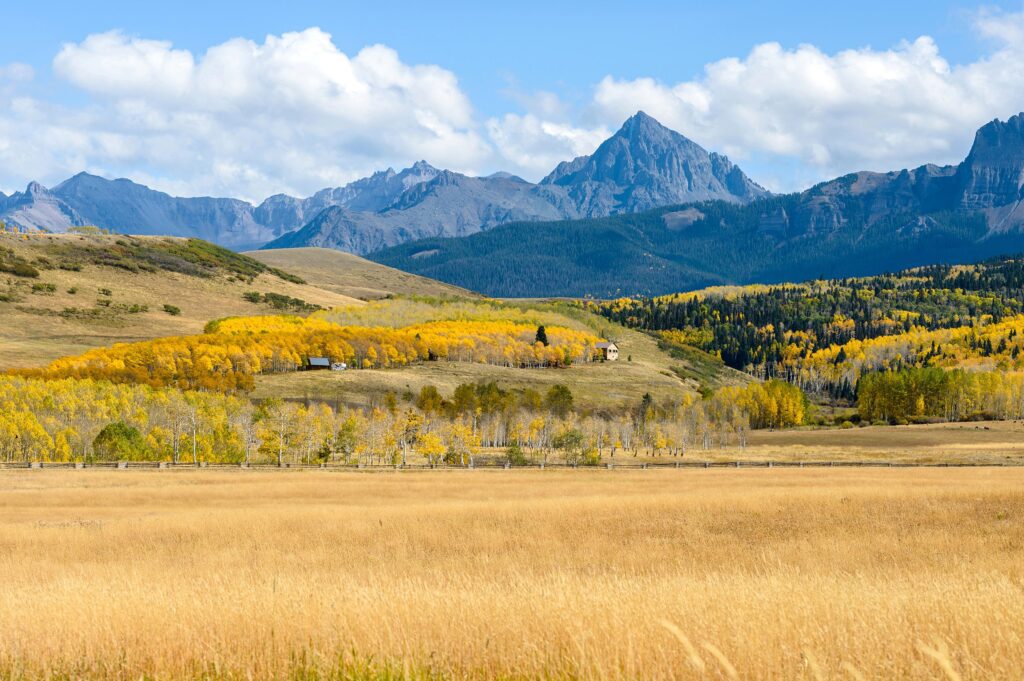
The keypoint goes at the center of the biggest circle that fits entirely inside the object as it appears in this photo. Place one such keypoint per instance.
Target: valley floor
(878, 573)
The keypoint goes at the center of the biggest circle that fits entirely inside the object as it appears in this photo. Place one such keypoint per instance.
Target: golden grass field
(707, 574)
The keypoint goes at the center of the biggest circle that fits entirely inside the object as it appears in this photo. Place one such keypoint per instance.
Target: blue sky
(514, 86)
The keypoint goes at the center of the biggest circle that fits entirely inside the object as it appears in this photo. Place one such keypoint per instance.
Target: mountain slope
(862, 223)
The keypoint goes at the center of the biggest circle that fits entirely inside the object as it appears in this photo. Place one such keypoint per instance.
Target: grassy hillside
(644, 367)
(351, 275)
(61, 294)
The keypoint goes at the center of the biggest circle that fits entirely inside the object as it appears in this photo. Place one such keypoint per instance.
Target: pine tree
(542, 336)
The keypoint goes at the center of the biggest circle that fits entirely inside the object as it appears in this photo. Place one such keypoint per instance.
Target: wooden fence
(488, 464)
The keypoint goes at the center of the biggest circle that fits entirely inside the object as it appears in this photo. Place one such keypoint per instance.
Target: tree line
(96, 420)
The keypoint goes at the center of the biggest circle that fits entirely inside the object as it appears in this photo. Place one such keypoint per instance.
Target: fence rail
(477, 465)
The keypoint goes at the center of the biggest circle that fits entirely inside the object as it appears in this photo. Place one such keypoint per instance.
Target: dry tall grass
(767, 574)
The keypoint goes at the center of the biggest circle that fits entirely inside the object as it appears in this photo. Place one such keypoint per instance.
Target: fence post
(507, 465)
(542, 465)
(737, 464)
(770, 464)
(678, 465)
(609, 465)
(707, 464)
(122, 464)
(643, 466)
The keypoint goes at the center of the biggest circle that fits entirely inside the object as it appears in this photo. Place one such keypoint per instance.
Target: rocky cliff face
(993, 173)
(38, 208)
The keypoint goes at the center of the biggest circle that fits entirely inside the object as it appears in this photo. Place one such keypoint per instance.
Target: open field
(353, 276)
(796, 574)
(982, 442)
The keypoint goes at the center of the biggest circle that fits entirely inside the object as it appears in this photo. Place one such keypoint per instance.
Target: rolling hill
(61, 294)
(350, 275)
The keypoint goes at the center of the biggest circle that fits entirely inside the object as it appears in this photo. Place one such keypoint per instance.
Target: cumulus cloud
(801, 115)
(535, 146)
(293, 113)
(857, 109)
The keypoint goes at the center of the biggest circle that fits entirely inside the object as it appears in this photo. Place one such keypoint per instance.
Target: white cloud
(535, 146)
(857, 109)
(801, 115)
(293, 113)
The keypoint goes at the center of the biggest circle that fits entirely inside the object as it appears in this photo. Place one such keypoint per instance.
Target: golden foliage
(233, 350)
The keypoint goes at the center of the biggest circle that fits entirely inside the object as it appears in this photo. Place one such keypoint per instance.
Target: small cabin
(607, 350)
(317, 364)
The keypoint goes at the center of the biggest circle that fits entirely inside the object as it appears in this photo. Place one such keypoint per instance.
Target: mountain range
(861, 223)
(642, 166)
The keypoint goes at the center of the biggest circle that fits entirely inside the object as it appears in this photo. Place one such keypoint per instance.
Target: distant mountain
(644, 165)
(862, 223)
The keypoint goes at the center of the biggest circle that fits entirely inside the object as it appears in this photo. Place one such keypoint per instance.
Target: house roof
(605, 344)
(319, 362)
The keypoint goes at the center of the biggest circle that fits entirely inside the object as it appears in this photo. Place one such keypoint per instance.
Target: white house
(607, 350)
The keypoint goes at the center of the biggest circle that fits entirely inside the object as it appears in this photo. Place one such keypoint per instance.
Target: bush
(44, 288)
(516, 456)
(172, 310)
(22, 269)
(845, 425)
(106, 292)
(73, 290)
(252, 296)
(119, 441)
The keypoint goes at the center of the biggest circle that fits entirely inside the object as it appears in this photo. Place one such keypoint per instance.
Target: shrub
(73, 290)
(252, 296)
(845, 425)
(119, 441)
(21, 269)
(44, 288)
(106, 292)
(172, 310)
(516, 456)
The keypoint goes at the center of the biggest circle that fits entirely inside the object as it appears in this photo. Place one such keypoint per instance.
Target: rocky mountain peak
(646, 165)
(993, 173)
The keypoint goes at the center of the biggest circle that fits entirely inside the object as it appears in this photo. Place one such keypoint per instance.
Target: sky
(252, 99)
